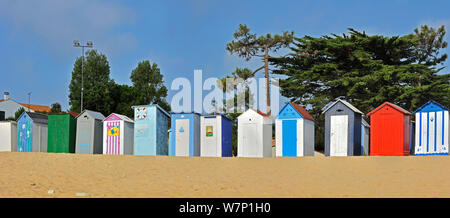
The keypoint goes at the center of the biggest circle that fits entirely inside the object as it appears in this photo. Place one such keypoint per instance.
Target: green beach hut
(61, 133)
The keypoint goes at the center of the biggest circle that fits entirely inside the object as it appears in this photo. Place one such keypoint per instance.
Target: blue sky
(36, 53)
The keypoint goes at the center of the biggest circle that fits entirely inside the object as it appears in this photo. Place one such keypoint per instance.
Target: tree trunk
(266, 67)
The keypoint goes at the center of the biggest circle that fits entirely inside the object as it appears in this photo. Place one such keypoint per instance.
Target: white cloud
(59, 22)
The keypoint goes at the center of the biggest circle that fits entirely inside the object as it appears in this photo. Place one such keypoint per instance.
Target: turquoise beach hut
(32, 130)
(150, 130)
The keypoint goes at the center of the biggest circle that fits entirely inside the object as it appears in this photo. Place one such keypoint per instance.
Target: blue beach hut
(294, 132)
(432, 129)
(150, 130)
(185, 135)
(32, 132)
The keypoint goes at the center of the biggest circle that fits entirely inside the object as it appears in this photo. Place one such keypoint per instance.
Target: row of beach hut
(390, 133)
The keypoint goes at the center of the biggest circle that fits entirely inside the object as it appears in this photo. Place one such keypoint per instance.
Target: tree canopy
(56, 108)
(365, 70)
(104, 95)
(96, 94)
(149, 84)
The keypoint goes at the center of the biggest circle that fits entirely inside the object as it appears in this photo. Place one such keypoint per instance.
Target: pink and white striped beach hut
(118, 134)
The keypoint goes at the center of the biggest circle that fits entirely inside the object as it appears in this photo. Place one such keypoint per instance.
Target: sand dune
(74, 175)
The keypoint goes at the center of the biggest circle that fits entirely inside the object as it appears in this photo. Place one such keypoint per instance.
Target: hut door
(182, 137)
(422, 148)
(252, 145)
(84, 138)
(289, 138)
(113, 137)
(338, 135)
(210, 138)
(24, 136)
(59, 136)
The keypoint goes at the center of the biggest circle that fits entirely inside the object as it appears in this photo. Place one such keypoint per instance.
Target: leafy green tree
(248, 45)
(124, 97)
(56, 108)
(364, 70)
(96, 83)
(149, 84)
(18, 113)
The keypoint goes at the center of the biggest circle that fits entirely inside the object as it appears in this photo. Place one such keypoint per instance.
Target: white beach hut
(432, 129)
(8, 136)
(254, 134)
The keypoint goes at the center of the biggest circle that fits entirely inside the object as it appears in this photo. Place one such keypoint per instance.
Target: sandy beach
(75, 175)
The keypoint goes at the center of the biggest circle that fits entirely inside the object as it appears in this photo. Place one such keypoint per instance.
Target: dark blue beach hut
(343, 124)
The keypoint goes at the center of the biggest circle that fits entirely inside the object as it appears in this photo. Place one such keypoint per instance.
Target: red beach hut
(389, 130)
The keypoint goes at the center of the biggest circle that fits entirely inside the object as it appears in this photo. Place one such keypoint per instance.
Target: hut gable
(294, 111)
(255, 114)
(24, 117)
(159, 108)
(35, 117)
(390, 105)
(431, 106)
(92, 114)
(348, 105)
(118, 117)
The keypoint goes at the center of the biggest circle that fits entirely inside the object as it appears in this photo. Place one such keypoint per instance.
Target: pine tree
(364, 70)
(248, 46)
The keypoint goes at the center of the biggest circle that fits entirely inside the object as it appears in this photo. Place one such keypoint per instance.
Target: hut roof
(37, 117)
(94, 114)
(350, 106)
(153, 105)
(120, 116)
(398, 108)
(431, 102)
(302, 111)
